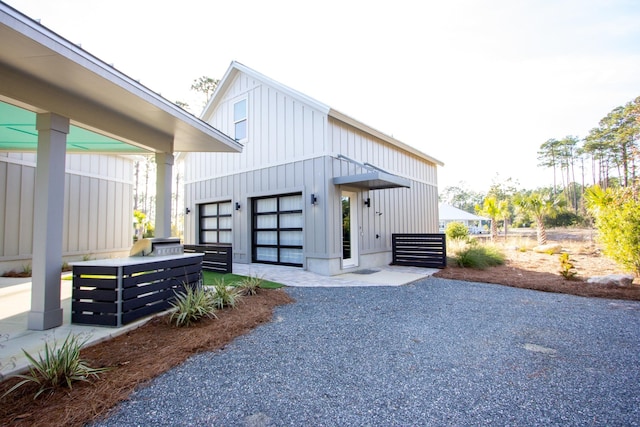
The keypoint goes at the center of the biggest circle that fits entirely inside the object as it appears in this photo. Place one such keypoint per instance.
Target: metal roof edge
(237, 67)
(368, 129)
(49, 38)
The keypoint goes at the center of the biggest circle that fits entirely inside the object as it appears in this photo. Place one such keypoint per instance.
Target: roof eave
(368, 129)
(30, 52)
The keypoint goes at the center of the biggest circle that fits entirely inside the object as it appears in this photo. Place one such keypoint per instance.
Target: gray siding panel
(98, 208)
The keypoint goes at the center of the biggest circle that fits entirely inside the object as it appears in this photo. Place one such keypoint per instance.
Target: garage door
(277, 230)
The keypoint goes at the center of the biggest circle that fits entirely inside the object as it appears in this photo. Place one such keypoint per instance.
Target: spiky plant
(59, 366)
(249, 285)
(225, 296)
(192, 304)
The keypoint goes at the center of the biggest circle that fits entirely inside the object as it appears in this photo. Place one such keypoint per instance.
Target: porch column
(48, 220)
(164, 165)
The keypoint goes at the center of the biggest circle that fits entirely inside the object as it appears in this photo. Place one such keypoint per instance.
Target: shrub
(479, 257)
(27, 270)
(59, 367)
(249, 285)
(456, 231)
(617, 217)
(192, 305)
(224, 296)
(567, 269)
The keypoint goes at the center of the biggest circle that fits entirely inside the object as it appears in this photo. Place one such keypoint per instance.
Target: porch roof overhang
(374, 180)
(41, 71)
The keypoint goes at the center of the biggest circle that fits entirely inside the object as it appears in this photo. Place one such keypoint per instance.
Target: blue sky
(478, 84)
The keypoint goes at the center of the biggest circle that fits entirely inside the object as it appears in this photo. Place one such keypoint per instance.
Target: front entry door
(349, 229)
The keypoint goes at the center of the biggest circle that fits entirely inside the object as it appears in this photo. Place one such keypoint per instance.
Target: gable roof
(41, 71)
(235, 68)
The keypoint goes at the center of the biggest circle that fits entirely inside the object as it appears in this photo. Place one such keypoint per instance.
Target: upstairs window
(240, 120)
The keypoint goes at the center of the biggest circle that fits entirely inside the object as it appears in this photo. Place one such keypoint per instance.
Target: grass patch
(210, 278)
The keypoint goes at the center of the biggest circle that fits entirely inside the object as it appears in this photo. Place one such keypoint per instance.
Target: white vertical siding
(290, 148)
(98, 204)
(355, 144)
(280, 130)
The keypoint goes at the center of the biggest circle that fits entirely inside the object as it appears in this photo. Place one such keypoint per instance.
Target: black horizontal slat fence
(115, 296)
(419, 250)
(217, 258)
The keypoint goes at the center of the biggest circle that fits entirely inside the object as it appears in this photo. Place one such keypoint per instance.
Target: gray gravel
(437, 352)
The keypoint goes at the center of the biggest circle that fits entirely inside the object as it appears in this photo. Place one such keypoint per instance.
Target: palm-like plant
(490, 208)
(540, 207)
(59, 366)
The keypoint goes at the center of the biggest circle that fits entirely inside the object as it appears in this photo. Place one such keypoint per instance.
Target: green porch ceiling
(18, 133)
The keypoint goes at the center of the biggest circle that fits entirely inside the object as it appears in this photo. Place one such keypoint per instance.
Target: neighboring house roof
(451, 213)
(42, 72)
(237, 67)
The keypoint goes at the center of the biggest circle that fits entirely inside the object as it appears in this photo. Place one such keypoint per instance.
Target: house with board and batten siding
(98, 206)
(312, 188)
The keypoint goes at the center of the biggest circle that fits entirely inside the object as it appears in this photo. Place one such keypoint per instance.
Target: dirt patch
(527, 269)
(137, 357)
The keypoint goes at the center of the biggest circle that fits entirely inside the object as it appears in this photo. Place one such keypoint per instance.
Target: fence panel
(419, 250)
(217, 258)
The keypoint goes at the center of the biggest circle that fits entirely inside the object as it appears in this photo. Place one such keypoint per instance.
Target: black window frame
(201, 217)
(277, 229)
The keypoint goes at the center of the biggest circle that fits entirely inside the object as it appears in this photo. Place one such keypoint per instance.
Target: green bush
(479, 257)
(456, 231)
(617, 218)
(58, 367)
(192, 305)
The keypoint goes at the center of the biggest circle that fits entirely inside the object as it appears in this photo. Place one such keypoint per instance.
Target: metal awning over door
(374, 179)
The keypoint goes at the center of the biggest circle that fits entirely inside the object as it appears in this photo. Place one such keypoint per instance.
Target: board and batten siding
(280, 129)
(394, 210)
(98, 204)
(363, 147)
(305, 176)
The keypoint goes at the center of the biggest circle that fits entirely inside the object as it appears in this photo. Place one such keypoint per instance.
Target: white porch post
(164, 164)
(48, 219)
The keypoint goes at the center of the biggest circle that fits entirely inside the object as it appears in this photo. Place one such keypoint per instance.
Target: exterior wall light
(237, 206)
(367, 202)
(314, 199)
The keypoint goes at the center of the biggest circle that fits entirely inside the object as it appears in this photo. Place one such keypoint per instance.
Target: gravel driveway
(437, 352)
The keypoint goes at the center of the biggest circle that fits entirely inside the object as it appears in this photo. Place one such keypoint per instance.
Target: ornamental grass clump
(59, 366)
(249, 285)
(224, 296)
(191, 305)
(479, 257)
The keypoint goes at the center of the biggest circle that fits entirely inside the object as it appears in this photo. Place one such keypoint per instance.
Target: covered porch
(51, 91)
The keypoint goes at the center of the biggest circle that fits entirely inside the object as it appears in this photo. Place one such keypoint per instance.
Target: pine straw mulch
(527, 269)
(137, 357)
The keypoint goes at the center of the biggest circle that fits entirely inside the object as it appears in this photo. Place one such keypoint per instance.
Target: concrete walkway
(15, 302)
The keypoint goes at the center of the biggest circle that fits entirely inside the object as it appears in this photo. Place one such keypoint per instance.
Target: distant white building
(312, 188)
(474, 223)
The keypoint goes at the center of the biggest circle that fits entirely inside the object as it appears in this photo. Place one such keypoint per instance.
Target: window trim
(244, 118)
(217, 230)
